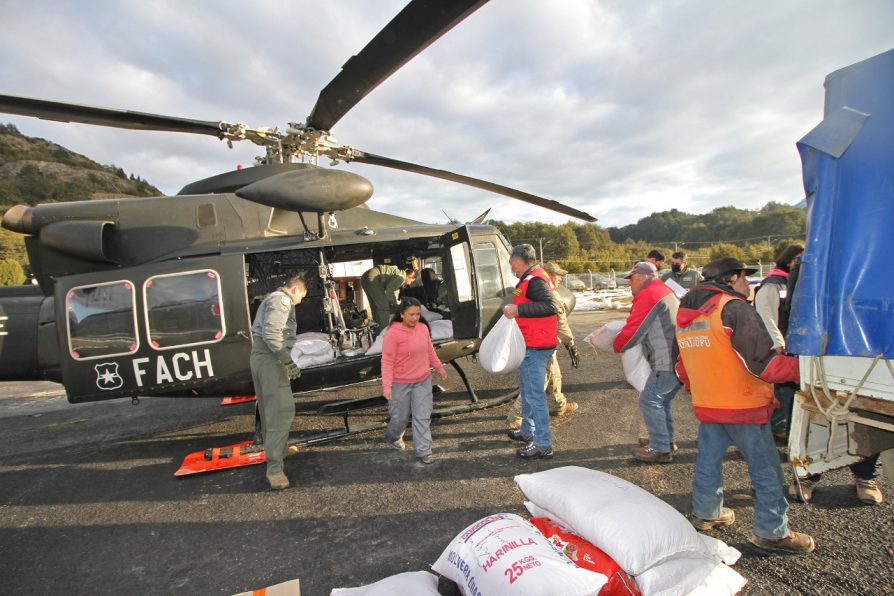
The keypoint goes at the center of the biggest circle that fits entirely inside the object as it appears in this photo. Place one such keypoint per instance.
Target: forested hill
(34, 170)
(724, 224)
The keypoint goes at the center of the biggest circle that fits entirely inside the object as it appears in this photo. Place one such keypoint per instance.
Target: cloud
(616, 108)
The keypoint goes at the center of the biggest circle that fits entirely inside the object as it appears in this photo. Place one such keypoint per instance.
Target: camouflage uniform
(553, 386)
(273, 335)
(381, 284)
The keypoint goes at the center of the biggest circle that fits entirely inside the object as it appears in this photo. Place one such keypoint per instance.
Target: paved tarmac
(89, 503)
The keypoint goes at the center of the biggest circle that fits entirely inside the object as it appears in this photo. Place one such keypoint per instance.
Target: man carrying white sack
(651, 323)
(560, 404)
(728, 363)
(536, 313)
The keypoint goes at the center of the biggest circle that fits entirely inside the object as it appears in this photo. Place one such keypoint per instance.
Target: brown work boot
(806, 493)
(649, 455)
(727, 517)
(644, 442)
(290, 451)
(514, 423)
(869, 492)
(278, 481)
(567, 408)
(796, 543)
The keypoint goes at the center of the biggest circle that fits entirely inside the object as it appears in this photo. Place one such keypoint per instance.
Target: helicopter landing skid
(250, 453)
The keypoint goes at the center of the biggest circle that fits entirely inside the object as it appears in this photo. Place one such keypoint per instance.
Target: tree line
(751, 236)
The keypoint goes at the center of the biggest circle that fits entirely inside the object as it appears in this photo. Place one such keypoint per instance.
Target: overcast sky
(617, 108)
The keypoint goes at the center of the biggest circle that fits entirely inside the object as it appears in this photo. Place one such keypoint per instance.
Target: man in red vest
(536, 312)
(728, 363)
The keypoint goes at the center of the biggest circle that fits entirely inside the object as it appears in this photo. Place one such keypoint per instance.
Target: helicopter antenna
(451, 220)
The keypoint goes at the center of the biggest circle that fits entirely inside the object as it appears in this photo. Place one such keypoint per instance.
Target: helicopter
(155, 296)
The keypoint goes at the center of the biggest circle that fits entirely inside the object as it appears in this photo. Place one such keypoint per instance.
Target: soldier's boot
(277, 480)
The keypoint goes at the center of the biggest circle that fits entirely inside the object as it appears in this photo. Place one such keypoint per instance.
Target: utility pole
(541, 250)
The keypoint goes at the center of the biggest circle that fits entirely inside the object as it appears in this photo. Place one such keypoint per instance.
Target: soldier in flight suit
(273, 335)
(381, 284)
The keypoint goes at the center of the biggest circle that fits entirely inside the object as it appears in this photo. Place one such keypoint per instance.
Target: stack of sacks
(414, 583)
(587, 556)
(504, 554)
(648, 538)
(440, 329)
(312, 349)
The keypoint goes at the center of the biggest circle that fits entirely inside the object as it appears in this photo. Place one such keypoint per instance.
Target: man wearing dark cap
(728, 363)
(651, 323)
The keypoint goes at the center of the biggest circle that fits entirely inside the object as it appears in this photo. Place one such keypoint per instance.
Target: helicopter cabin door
(176, 327)
(462, 286)
(494, 277)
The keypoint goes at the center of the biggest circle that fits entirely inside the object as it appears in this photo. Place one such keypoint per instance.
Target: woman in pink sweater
(407, 356)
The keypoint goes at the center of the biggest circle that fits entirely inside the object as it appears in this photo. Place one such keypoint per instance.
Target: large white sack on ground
(634, 527)
(603, 339)
(413, 583)
(503, 349)
(636, 367)
(441, 329)
(505, 554)
(690, 575)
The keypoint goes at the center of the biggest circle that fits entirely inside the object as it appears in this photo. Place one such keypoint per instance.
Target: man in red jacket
(728, 363)
(651, 324)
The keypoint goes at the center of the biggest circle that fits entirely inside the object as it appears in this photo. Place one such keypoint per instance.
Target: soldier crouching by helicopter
(381, 284)
(273, 335)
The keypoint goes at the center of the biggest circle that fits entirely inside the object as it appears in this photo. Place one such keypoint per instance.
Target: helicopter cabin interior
(463, 281)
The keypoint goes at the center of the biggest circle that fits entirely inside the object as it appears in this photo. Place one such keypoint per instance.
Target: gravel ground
(88, 502)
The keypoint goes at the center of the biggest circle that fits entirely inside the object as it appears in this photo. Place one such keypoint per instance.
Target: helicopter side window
(102, 320)
(489, 283)
(183, 309)
(461, 272)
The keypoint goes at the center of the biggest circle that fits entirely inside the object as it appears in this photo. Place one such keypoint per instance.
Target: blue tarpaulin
(843, 304)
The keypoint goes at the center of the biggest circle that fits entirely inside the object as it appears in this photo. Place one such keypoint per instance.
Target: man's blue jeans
(755, 443)
(655, 402)
(531, 379)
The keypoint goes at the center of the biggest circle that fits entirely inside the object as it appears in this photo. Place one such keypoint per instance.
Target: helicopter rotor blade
(378, 160)
(416, 27)
(73, 112)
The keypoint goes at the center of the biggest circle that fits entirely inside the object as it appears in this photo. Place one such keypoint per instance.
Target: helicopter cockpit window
(101, 320)
(183, 309)
(461, 272)
(488, 269)
(509, 279)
